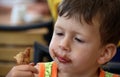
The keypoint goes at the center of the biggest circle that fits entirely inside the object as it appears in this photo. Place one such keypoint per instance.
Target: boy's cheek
(51, 47)
(53, 42)
(51, 51)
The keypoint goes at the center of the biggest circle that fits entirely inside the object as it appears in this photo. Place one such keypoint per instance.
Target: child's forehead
(80, 21)
(74, 24)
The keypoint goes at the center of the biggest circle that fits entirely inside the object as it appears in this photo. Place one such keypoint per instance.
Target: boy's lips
(63, 59)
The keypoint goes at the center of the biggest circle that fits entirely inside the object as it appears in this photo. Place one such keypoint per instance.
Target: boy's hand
(22, 71)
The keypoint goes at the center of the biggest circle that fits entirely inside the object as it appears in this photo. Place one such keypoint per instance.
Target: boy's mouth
(63, 59)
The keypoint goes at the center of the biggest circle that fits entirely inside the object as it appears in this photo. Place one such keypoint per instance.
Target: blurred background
(22, 23)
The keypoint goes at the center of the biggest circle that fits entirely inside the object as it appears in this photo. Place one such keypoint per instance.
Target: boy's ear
(107, 53)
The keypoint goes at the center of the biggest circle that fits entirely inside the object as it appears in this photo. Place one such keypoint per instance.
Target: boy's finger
(26, 68)
(32, 64)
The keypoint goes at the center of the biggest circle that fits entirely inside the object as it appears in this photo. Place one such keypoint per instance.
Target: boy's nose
(65, 44)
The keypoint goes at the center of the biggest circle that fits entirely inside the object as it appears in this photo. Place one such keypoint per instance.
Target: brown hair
(108, 11)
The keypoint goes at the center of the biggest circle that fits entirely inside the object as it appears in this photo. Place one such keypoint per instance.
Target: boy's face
(75, 46)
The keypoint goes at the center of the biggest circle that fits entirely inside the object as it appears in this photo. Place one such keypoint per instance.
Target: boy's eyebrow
(58, 27)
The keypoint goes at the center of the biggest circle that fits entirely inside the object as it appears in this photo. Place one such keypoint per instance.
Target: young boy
(85, 37)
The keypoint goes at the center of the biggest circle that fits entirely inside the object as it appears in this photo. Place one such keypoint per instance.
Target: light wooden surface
(22, 37)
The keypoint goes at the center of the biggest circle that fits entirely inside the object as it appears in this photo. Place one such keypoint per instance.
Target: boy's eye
(60, 34)
(79, 40)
